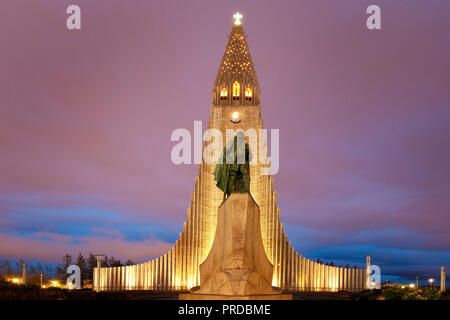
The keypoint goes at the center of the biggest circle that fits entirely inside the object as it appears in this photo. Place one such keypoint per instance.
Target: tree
(82, 264)
(60, 273)
(32, 276)
(129, 262)
(114, 263)
(104, 262)
(48, 273)
(5, 269)
(91, 264)
(67, 261)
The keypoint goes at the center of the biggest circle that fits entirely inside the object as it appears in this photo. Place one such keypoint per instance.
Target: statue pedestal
(237, 267)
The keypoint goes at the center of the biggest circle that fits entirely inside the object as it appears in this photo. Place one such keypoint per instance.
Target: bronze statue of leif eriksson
(232, 171)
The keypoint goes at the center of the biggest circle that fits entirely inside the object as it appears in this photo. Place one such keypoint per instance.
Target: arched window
(223, 93)
(248, 94)
(236, 90)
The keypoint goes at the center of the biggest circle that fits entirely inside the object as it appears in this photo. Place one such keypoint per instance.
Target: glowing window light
(236, 89)
(248, 94)
(223, 93)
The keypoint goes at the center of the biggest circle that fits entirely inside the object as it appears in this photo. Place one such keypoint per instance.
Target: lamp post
(24, 273)
(369, 284)
(430, 281)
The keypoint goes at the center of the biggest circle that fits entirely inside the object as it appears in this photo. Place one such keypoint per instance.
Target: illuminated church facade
(235, 105)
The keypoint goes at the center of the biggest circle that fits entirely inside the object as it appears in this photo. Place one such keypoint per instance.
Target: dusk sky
(364, 116)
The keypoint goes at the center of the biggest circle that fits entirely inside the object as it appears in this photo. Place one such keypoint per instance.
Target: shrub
(399, 293)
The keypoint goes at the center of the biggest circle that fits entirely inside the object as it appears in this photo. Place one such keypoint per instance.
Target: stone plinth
(237, 267)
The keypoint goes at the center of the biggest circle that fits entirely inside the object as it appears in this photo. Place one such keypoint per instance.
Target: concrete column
(158, 274)
(119, 278)
(103, 279)
(164, 274)
(127, 277)
(353, 282)
(111, 286)
(115, 273)
(299, 273)
(309, 275)
(345, 279)
(288, 268)
(442, 279)
(177, 264)
(150, 274)
(24, 273)
(123, 282)
(145, 275)
(161, 273)
(155, 274)
(183, 257)
(168, 273)
(324, 277)
(99, 265)
(306, 273)
(335, 278)
(315, 277)
(114, 279)
(139, 276)
(108, 278)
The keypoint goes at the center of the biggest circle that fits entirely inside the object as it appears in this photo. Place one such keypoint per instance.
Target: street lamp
(431, 280)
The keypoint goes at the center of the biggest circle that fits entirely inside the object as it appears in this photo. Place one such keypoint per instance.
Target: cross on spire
(237, 18)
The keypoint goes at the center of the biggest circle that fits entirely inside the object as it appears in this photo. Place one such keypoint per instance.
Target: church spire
(236, 82)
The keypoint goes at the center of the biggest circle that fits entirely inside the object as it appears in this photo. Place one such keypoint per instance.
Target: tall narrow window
(223, 93)
(248, 94)
(236, 90)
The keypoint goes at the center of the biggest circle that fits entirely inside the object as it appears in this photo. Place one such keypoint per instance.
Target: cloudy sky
(364, 118)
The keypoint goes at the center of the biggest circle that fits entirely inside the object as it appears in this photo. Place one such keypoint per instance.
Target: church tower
(235, 104)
